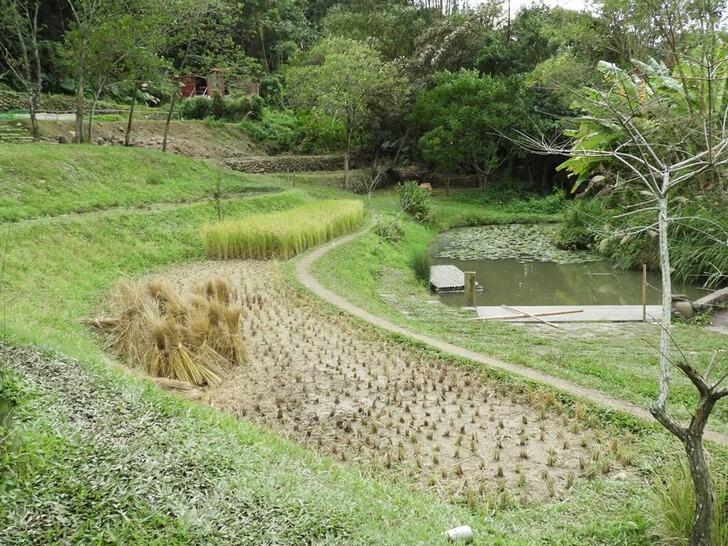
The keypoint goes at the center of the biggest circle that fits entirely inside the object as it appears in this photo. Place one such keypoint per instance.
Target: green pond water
(529, 270)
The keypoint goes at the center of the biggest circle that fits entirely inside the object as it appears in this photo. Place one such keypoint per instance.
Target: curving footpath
(305, 277)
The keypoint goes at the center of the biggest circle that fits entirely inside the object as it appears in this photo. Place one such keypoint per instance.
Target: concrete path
(580, 313)
(304, 275)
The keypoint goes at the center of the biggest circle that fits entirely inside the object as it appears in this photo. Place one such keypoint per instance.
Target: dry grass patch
(282, 234)
(193, 337)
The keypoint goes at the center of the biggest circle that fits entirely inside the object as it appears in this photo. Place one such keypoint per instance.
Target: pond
(518, 265)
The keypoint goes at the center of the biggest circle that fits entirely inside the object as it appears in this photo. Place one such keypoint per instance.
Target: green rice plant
(282, 234)
(675, 507)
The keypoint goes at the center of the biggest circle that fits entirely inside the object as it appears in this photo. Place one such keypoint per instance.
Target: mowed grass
(49, 179)
(283, 234)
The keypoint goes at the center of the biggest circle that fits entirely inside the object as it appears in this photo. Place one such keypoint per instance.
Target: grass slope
(98, 457)
(47, 179)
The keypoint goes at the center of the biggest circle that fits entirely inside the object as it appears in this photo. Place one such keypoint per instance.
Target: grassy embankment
(620, 361)
(215, 477)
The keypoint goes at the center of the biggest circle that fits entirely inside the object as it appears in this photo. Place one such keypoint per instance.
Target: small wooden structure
(448, 278)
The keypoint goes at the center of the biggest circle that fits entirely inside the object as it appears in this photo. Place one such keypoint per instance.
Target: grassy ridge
(283, 234)
(47, 179)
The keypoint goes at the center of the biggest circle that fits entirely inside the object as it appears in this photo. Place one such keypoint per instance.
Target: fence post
(644, 292)
(470, 288)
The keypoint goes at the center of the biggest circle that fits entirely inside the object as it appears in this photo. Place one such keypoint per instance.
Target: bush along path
(304, 275)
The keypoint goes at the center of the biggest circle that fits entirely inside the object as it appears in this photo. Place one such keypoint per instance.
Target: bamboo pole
(530, 315)
(644, 292)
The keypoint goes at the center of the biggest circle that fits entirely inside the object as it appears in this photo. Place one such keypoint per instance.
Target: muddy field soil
(322, 381)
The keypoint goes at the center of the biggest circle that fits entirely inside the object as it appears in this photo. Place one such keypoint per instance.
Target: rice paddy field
(328, 431)
(284, 234)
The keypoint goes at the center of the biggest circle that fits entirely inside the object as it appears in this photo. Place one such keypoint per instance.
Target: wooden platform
(448, 278)
(590, 313)
(719, 297)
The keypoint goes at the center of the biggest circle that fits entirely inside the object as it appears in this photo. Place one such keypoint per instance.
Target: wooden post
(470, 288)
(447, 187)
(644, 292)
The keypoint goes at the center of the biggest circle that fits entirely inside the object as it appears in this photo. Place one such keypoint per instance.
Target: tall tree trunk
(127, 136)
(663, 225)
(173, 100)
(78, 136)
(170, 113)
(701, 535)
(33, 108)
(347, 154)
(92, 112)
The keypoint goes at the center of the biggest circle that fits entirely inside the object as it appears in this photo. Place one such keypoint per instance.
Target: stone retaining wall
(287, 163)
(12, 100)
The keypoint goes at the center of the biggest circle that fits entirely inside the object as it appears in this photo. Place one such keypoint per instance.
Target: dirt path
(304, 275)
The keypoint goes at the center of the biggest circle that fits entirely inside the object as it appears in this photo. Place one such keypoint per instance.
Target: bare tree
(20, 49)
(644, 125)
(372, 177)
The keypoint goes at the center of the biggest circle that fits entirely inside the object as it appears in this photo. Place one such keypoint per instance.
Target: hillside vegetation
(47, 180)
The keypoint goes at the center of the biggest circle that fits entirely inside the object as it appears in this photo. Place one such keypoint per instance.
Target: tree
(660, 129)
(20, 49)
(464, 117)
(86, 16)
(347, 80)
(121, 49)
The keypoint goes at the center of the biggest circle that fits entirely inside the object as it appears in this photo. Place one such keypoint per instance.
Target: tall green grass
(283, 234)
(675, 501)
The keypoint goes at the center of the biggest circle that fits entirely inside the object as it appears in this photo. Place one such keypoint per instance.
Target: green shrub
(232, 109)
(195, 108)
(388, 229)
(580, 220)
(283, 234)
(240, 108)
(218, 106)
(277, 130)
(675, 507)
(280, 131)
(419, 260)
(271, 90)
(415, 201)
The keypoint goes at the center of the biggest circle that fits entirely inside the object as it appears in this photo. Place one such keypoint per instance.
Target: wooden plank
(446, 277)
(538, 318)
(522, 315)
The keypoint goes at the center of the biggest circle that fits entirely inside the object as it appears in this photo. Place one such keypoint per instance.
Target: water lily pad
(525, 243)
